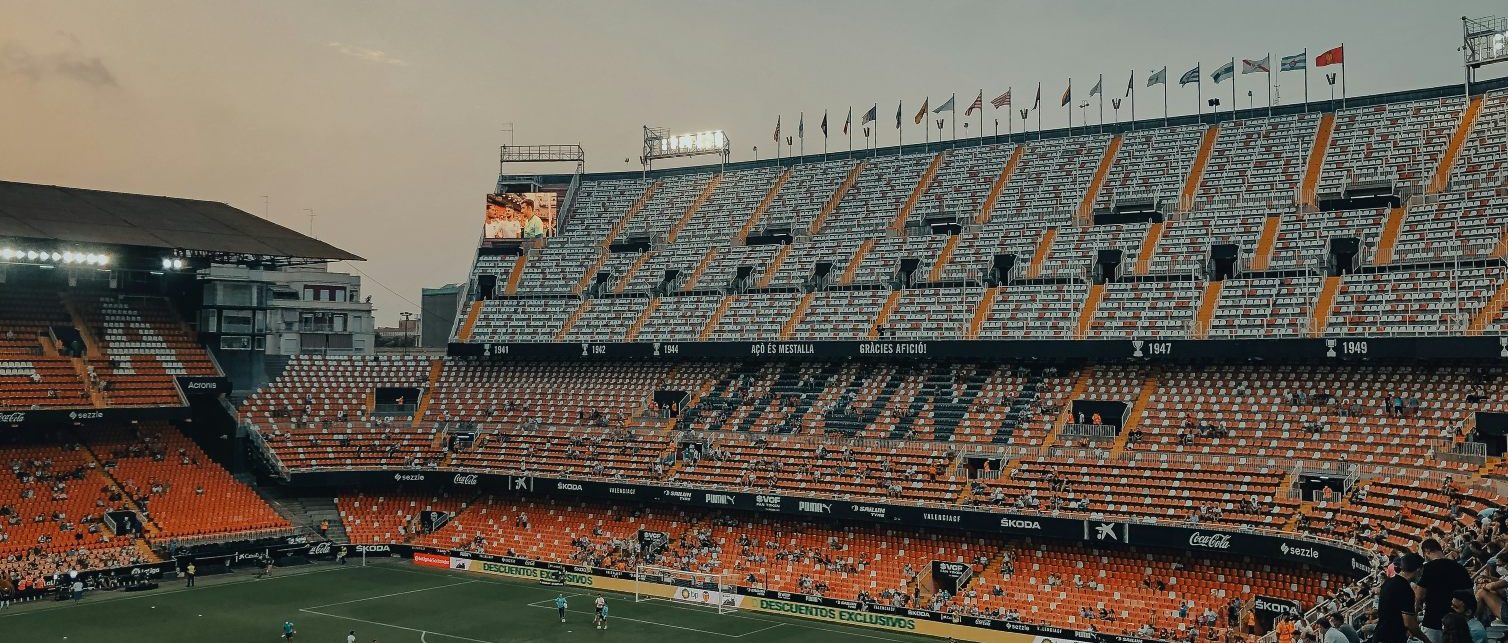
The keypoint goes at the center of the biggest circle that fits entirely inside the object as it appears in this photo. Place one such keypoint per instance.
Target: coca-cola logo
(319, 549)
(1211, 541)
(14, 418)
(469, 479)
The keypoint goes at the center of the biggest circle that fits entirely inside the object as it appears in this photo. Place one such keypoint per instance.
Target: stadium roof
(76, 215)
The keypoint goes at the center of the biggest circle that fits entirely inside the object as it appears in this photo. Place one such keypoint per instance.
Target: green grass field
(393, 602)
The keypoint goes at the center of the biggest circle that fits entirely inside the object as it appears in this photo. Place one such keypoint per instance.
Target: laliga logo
(465, 479)
(1212, 541)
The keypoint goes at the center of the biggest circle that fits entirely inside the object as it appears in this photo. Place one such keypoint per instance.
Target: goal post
(713, 590)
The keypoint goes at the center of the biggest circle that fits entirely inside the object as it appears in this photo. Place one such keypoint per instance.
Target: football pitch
(393, 602)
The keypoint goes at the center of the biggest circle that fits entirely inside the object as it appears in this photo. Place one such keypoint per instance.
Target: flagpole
(801, 134)
(1306, 80)
(981, 116)
(953, 114)
(1269, 83)
(1342, 75)
(1069, 105)
(1199, 95)
(824, 135)
(1164, 99)
(1102, 103)
(1233, 79)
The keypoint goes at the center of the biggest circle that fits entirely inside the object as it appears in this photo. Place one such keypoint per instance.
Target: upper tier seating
(1399, 142)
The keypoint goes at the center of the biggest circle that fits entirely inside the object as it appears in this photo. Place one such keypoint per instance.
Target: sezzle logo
(87, 415)
(469, 479)
(1306, 552)
(1020, 524)
(567, 486)
(1212, 541)
(408, 477)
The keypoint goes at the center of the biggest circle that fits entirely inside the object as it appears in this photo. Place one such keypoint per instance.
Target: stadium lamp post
(406, 317)
(1115, 104)
(756, 153)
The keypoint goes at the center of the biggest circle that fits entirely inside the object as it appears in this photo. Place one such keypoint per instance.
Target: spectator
(1438, 583)
(1397, 619)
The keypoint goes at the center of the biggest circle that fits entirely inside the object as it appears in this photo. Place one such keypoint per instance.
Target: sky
(384, 118)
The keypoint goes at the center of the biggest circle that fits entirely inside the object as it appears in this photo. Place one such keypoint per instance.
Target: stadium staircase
(1149, 247)
(1323, 305)
(1390, 227)
(789, 326)
(303, 512)
(571, 321)
(86, 334)
(691, 210)
(832, 202)
(436, 368)
(149, 524)
(1441, 179)
(470, 325)
(1085, 213)
(774, 266)
(612, 233)
(764, 204)
(988, 206)
(1312, 170)
(943, 257)
(888, 307)
(1039, 255)
(1207, 306)
(1138, 409)
(856, 261)
(1196, 172)
(96, 398)
(1501, 249)
(717, 315)
(1065, 416)
(649, 309)
(1086, 314)
(701, 267)
(591, 273)
(1266, 242)
(982, 311)
(1489, 312)
(922, 184)
(516, 275)
(628, 275)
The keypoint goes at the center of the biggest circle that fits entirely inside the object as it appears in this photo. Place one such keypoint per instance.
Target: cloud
(68, 63)
(369, 55)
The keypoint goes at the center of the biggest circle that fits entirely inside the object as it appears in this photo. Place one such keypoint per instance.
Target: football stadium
(1230, 375)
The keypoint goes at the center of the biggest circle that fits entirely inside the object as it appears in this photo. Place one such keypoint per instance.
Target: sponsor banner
(1267, 608)
(194, 386)
(425, 559)
(705, 596)
(951, 576)
(1094, 532)
(1354, 349)
(91, 416)
(374, 550)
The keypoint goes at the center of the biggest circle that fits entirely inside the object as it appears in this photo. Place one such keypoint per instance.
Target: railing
(1090, 431)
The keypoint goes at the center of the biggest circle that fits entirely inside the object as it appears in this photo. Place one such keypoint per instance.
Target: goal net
(718, 591)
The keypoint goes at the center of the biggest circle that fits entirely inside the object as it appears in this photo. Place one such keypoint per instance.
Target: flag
(1293, 63)
(1130, 82)
(872, 115)
(1190, 76)
(777, 130)
(848, 121)
(1225, 71)
(945, 106)
(801, 126)
(1333, 57)
(897, 114)
(1067, 93)
(1037, 102)
(1159, 77)
(921, 113)
(824, 123)
(1097, 87)
(1002, 100)
(977, 104)
(1250, 66)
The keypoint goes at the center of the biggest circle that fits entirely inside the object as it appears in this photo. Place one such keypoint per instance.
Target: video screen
(521, 215)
